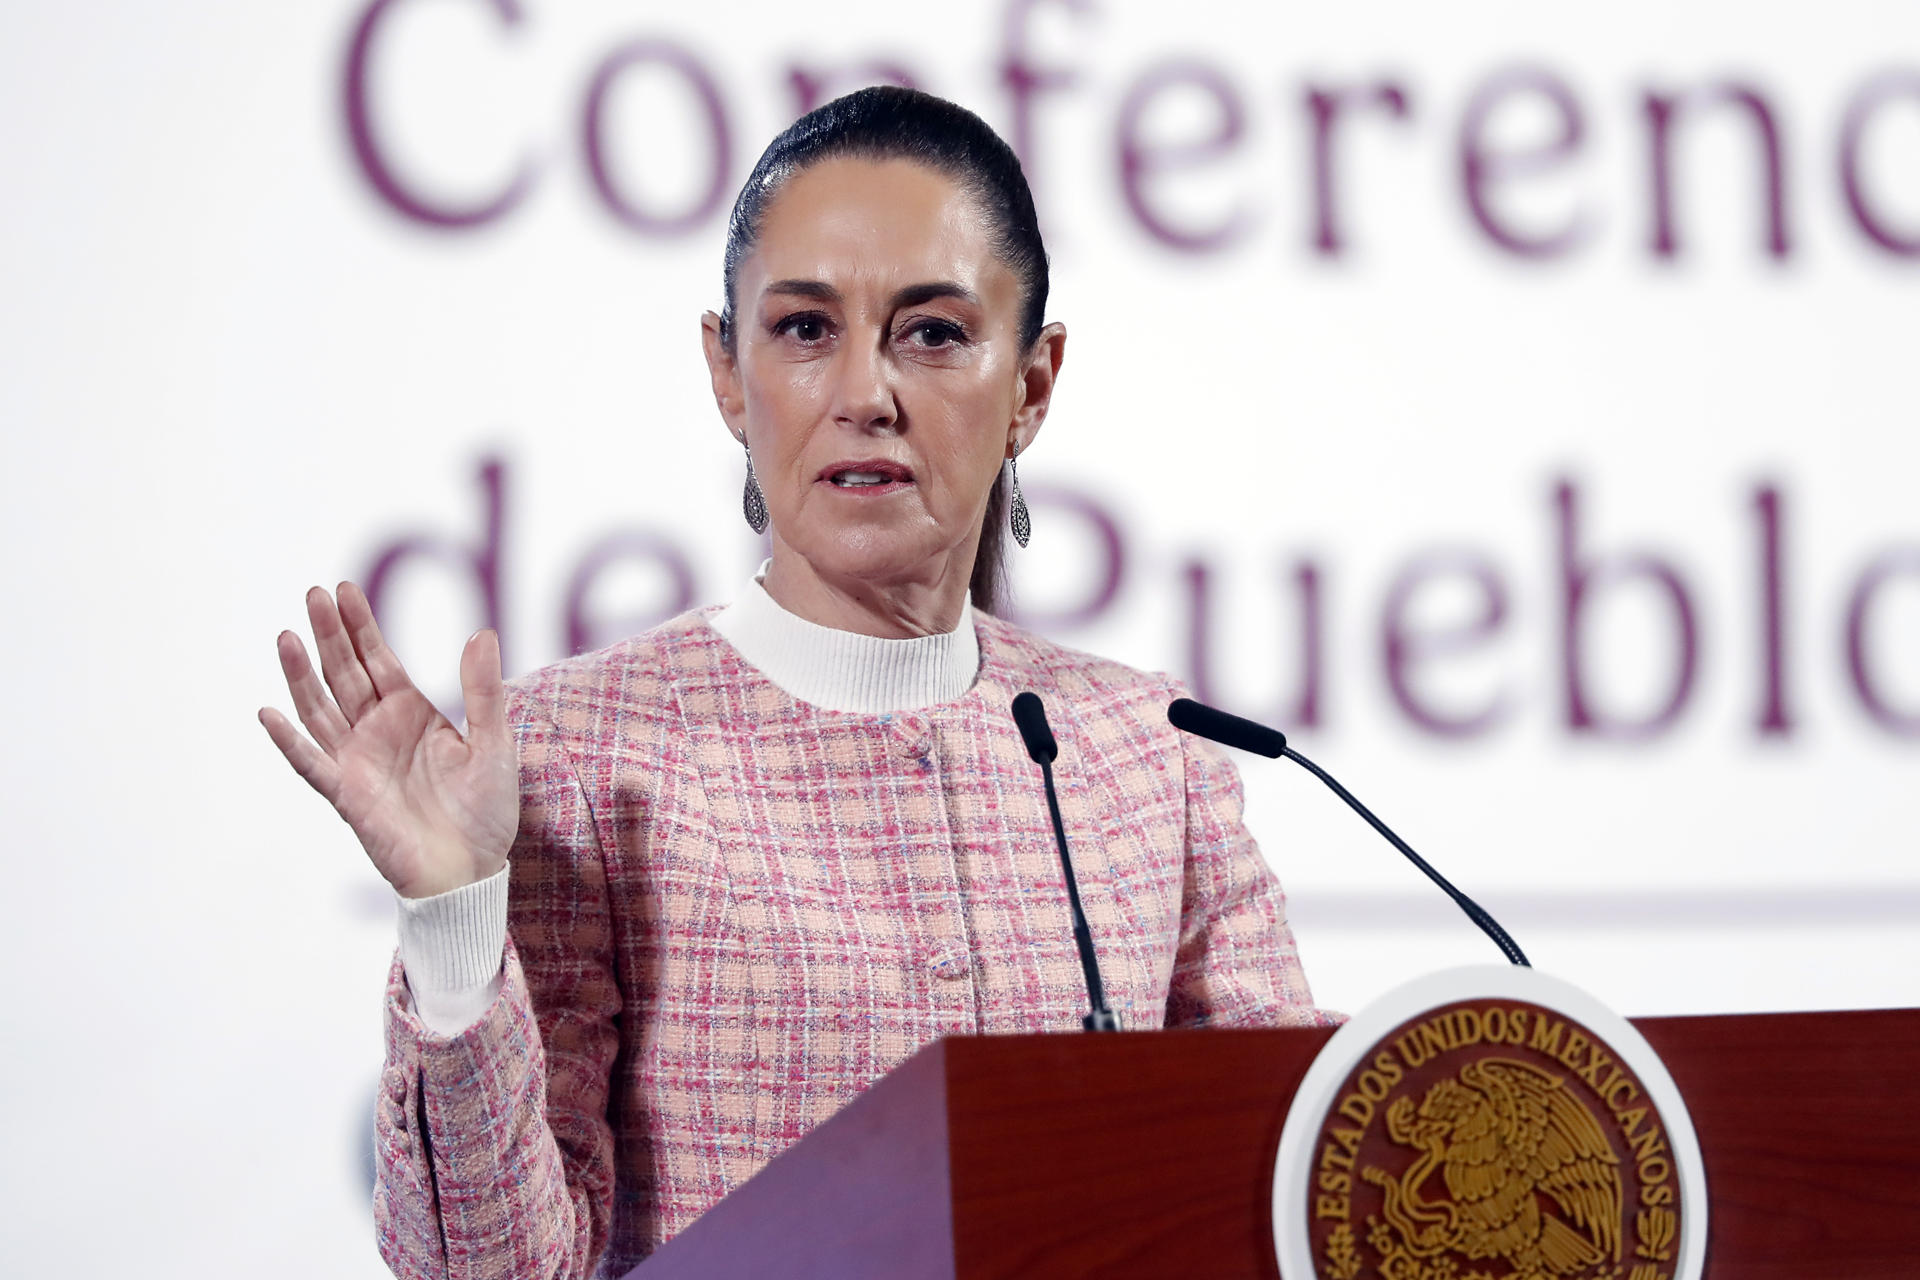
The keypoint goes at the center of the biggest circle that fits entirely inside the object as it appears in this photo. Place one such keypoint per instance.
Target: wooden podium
(1152, 1155)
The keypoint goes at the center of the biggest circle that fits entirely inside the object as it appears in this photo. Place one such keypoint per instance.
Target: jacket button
(952, 965)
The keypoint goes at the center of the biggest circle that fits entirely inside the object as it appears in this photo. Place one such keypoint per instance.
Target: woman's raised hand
(434, 810)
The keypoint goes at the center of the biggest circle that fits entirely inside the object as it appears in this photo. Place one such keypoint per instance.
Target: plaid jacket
(730, 912)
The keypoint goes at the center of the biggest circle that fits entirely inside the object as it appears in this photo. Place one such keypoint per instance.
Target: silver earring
(1017, 516)
(754, 503)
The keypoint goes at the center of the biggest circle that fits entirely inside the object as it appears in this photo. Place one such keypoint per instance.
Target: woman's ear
(1038, 374)
(725, 375)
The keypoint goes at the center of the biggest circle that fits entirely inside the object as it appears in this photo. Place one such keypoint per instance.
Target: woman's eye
(806, 327)
(936, 333)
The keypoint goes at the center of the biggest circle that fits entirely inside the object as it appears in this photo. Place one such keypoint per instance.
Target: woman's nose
(863, 389)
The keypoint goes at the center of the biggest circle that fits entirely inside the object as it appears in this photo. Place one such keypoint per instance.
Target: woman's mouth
(867, 476)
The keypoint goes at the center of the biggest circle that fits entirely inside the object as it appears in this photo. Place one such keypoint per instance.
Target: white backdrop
(236, 367)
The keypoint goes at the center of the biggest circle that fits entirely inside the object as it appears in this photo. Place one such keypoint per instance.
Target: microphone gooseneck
(1232, 731)
(1031, 718)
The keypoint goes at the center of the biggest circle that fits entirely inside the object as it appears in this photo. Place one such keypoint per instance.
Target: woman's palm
(434, 809)
(410, 784)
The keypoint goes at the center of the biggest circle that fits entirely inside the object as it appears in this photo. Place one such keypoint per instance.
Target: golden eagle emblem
(1530, 1177)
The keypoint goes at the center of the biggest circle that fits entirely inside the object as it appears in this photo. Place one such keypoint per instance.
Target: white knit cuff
(452, 944)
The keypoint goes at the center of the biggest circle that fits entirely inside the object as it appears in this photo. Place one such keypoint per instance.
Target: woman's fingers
(485, 694)
(346, 676)
(381, 664)
(311, 763)
(322, 719)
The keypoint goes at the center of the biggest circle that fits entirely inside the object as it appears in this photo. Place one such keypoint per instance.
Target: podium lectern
(1152, 1155)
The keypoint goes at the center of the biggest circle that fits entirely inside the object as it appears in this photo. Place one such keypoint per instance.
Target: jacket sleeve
(493, 1153)
(1236, 963)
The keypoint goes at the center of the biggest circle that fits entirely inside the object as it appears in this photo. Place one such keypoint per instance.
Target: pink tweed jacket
(730, 912)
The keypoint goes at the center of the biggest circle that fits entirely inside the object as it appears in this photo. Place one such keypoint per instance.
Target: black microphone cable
(1232, 731)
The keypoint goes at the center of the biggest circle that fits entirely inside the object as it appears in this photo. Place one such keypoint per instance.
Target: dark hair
(887, 122)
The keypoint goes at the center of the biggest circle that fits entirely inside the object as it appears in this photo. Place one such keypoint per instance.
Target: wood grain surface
(1810, 1127)
(1151, 1155)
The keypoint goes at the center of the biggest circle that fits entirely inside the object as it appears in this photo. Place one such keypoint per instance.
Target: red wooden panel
(1139, 1155)
(1810, 1127)
(1151, 1155)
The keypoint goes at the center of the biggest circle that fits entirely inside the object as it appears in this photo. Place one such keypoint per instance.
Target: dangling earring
(1017, 516)
(754, 503)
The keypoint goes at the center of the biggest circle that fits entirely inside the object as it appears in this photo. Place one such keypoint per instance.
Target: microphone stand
(1099, 1018)
(1232, 731)
(1030, 717)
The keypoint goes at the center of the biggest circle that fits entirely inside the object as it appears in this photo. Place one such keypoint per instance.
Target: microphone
(1232, 731)
(1031, 717)
(1227, 730)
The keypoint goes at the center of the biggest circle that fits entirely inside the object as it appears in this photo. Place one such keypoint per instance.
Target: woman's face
(877, 373)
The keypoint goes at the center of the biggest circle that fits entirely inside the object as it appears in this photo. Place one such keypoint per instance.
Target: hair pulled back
(887, 122)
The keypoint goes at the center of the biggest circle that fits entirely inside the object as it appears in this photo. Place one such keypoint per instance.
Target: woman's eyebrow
(911, 296)
(915, 294)
(816, 289)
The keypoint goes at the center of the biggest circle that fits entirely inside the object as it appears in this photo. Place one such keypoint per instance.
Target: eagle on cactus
(1529, 1176)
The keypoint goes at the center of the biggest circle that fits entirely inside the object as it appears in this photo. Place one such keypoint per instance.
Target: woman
(668, 905)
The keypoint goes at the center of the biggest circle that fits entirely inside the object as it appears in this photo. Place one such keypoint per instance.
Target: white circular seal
(1489, 1117)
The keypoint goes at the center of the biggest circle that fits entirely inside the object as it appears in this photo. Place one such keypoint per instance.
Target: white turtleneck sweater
(451, 944)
